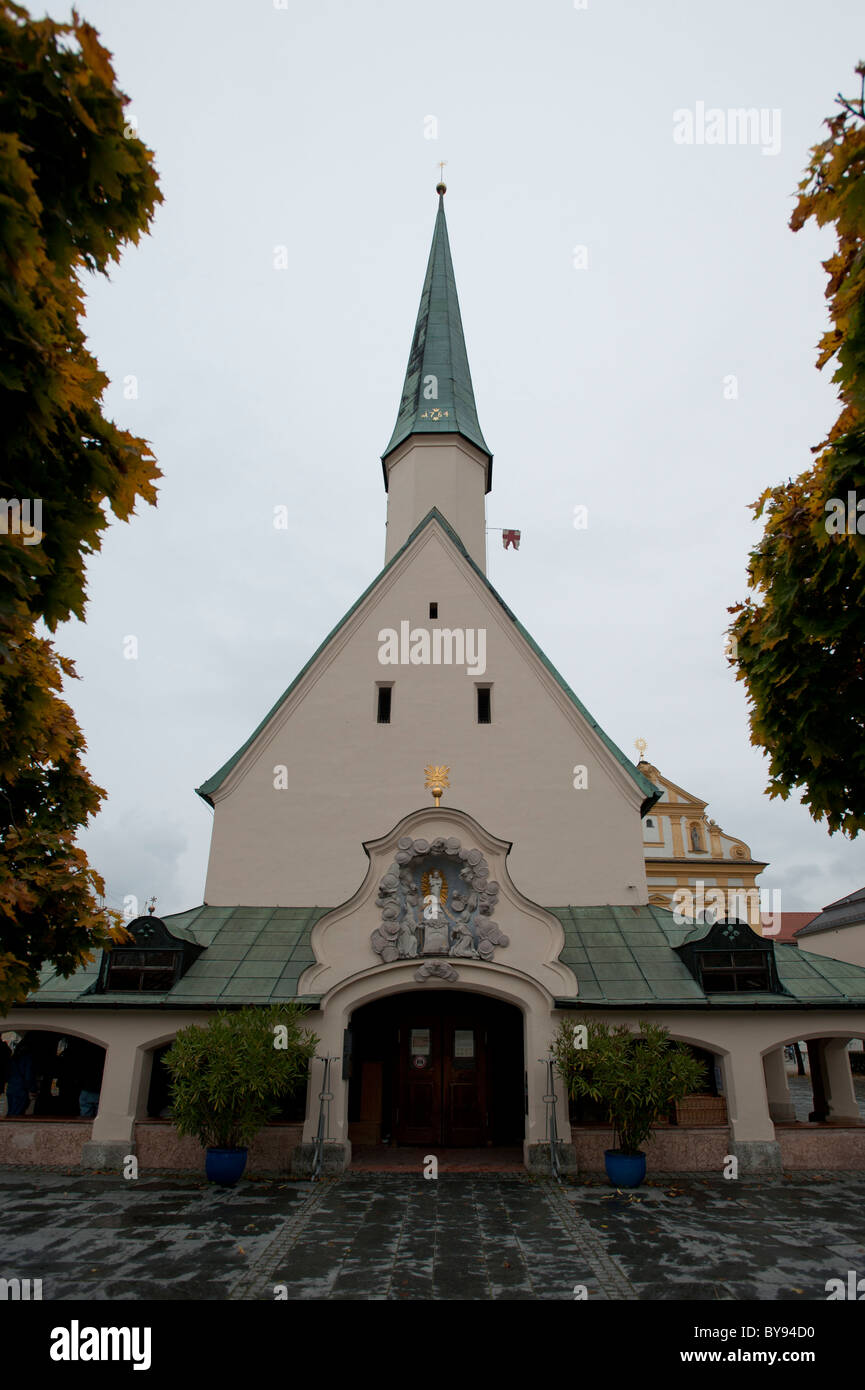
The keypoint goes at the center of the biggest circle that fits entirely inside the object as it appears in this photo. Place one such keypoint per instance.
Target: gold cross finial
(641, 745)
(436, 780)
(441, 186)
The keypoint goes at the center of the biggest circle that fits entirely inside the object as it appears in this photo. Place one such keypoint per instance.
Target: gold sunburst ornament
(436, 780)
(641, 745)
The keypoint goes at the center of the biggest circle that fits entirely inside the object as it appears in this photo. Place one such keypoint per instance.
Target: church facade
(432, 844)
(692, 865)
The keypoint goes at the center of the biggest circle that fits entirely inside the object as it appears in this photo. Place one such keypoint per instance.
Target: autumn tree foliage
(76, 186)
(798, 639)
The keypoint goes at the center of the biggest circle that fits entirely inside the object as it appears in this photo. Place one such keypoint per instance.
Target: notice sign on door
(464, 1042)
(420, 1042)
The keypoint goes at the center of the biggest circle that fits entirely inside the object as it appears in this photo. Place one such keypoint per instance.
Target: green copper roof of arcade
(437, 397)
(622, 957)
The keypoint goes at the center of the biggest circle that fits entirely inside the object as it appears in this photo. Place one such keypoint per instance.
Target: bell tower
(437, 456)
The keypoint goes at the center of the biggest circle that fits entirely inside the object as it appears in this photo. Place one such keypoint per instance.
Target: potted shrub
(636, 1077)
(229, 1079)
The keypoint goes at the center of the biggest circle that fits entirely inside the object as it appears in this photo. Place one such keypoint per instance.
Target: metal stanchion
(324, 1099)
(552, 1129)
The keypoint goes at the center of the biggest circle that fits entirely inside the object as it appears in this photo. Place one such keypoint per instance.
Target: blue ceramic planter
(225, 1166)
(624, 1170)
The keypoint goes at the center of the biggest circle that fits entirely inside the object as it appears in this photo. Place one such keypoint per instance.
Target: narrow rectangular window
(484, 704)
(384, 703)
(433, 610)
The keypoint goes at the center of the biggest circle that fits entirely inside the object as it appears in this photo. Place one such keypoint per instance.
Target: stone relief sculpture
(435, 970)
(437, 899)
(462, 941)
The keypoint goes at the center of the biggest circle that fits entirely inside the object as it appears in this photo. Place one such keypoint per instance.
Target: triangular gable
(650, 792)
(686, 798)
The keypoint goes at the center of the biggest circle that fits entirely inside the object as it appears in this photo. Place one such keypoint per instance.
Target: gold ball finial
(441, 188)
(437, 781)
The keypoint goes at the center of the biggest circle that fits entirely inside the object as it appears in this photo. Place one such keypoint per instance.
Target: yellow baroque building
(690, 860)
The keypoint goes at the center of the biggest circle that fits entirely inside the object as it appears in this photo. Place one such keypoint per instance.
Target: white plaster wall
(848, 944)
(442, 471)
(351, 779)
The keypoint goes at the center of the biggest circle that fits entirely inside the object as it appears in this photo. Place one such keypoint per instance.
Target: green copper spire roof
(445, 405)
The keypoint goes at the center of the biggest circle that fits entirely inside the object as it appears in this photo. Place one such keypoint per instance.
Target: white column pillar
(112, 1137)
(840, 1091)
(777, 1086)
(752, 1133)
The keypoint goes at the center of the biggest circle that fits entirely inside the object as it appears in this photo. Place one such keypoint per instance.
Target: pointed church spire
(437, 398)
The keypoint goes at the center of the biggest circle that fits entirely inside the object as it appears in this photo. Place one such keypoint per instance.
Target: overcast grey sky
(307, 125)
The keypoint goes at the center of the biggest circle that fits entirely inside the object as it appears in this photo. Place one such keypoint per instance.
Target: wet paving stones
(393, 1237)
(396, 1237)
(710, 1239)
(99, 1237)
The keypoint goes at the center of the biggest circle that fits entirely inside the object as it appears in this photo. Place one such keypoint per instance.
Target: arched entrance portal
(437, 1068)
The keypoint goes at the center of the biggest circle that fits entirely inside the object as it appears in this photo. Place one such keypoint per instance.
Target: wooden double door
(442, 1078)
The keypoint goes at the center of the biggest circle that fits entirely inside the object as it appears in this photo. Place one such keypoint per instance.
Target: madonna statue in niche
(435, 915)
(437, 899)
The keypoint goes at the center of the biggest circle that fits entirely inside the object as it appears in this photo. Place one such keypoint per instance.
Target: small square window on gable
(384, 703)
(485, 712)
(433, 610)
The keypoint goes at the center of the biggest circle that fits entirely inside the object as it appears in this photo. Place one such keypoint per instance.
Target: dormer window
(735, 972)
(731, 959)
(142, 970)
(151, 963)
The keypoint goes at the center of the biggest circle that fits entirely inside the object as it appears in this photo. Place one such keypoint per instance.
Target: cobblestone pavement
(696, 1238)
(389, 1236)
(96, 1236)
